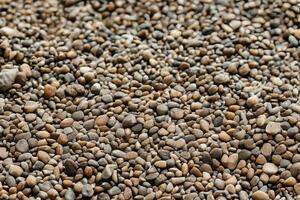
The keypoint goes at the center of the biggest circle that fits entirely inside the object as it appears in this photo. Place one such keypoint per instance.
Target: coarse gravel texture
(149, 99)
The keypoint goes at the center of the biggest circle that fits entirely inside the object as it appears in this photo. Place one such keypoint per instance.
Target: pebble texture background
(149, 99)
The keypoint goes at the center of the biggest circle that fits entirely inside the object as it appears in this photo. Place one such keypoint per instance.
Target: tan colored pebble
(270, 168)
(131, 155)
(266, 149)
(88, 171)
(260, 195)
(78, 187)
(184, 169)
(31, 180)
(297, 188)
(232, 161)
(43, 134)
(62, 139)
(102, 120)
(15, 170)
(251, 101)
(204, 125)
(196, 172)
(199, 186)
(43, 156)
(161, 164)
(273, 128)
(66, 122)
(296, 33)
(291, 181)
(261, 120)
(224, 136)
(260, 160)
(68, 183)
(49, 91)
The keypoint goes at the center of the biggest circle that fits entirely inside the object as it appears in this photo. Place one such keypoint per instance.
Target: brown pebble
(31, 180)
(102, 120)
(252, 101)
(66, 122)
(161, 164)
(260, 195)
(49, 91)
(88, 171)
(204, 125)
(15, 170)
(131, 155)
(43, 156)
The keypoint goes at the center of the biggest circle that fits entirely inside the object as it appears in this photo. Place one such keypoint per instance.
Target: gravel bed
(149, 99)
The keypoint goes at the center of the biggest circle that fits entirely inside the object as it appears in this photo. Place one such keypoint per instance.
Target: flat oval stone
(260, 195)
(270, 168)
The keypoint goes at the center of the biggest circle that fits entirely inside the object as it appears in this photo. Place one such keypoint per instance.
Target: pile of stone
(147, 99)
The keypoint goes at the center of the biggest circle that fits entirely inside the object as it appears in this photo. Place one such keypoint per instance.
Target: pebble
(7, 78)
(175, 33)
(147, 54)
(87, 190)
(235, 24)
(177, 180)
(293, 40)
(243, 195)
(291, 181)
(102, 120)
(266, 149)
(295, 169)
(114, 191)
(162, 109)
(131, 155)
(10, 32)
(43, 134)
(180, 143)
(297, 188)
(52, 193)
(252, 101)
(216, 153)
(204, 125)
(31, 106)
(43, 156)
(78, 115)
(244, 154)
(31, 181)
(295, 108)
(260, 195)
(161, 164)
(107, 98)
(296, 33)
(22, 146)
(232, 161)
(270, 168)
(129, 121)
(15, 170)
(261, 120)
(10, 181)
(70, 167)
(96, 88)
(3, 153)
(273, 128)
(108, 171)
(222, 78)
(26, 69)
(176, 113)
(49, 91)
(220, 184)
(69, 195)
